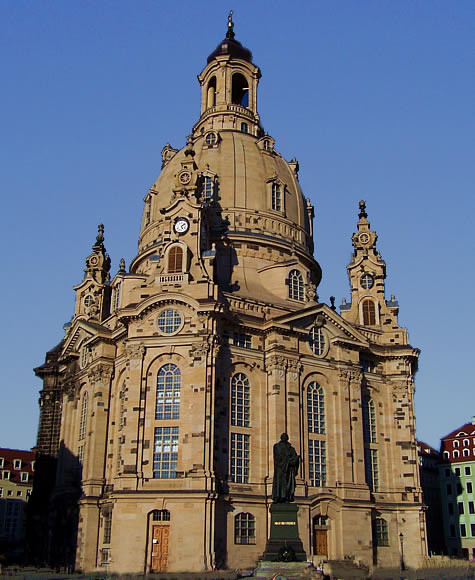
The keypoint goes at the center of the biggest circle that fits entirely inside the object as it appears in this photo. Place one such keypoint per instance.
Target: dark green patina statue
(286, 464)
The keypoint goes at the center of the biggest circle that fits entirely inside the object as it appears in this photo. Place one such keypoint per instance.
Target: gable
(322, 315)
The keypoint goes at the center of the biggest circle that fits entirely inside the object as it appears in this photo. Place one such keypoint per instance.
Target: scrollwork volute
(277, 364)
(294, 368)
(100, 374)
(200, 349)
(134, 354)
(311, 291)
(350, 376)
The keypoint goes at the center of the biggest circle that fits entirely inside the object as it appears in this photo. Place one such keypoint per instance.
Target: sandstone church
(178, 374)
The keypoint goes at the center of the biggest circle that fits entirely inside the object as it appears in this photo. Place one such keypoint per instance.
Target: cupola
(229, 89)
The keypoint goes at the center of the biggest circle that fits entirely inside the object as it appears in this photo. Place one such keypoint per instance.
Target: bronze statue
(286, 464)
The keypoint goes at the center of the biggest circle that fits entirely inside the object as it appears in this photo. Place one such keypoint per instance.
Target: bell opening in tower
(240, 91)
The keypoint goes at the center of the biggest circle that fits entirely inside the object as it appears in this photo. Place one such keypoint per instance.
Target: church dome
(247, 173)
(244, 193)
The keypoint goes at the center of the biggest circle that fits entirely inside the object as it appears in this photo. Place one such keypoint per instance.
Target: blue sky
(374, 98)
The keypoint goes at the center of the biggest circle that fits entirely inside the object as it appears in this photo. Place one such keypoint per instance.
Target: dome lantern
(229, 88)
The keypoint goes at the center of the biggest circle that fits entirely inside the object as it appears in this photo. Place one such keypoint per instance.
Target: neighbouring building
(176, 377)
(457, 483)
(16, 482)
(429, 460)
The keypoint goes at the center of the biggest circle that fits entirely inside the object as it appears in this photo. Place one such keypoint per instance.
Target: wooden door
(320, 542)
(160, 535)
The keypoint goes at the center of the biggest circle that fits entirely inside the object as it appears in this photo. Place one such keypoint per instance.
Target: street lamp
(401, 540)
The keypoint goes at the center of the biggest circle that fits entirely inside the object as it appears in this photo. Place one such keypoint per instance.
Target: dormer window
(267, 145)
(211, 139)
(295, 285)
(276, 197)
(208, 188)
(175, 260)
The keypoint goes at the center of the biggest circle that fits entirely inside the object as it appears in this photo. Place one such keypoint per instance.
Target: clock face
(185, 178)
(363, 238)
(181, 226)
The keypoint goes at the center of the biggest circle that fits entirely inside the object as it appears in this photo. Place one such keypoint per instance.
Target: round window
(316, 340)
(367, 281)
(169, 321)
(88, 301)
(211, 139)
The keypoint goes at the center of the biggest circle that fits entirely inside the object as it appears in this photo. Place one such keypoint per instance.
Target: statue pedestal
(284, 543)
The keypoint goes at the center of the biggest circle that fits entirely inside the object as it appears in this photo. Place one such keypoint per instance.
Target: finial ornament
(100, 235)
(122, 266)
(363, 213)
(230, 32)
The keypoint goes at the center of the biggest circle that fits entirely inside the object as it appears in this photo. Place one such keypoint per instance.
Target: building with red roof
(17, 468)
(457, 482)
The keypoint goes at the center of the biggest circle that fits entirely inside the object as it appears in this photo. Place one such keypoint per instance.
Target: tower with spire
(176, 377)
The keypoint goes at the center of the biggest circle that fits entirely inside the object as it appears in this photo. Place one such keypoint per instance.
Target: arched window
(83, 419)
(315, 408)
(240, 90)
(244, 127)
(276, 197)
(466, 452)
(161, 516)
(175, 260)
(466, 442)
(446, 455)
(168, 392)
(211, 96)
(240, 401)
(295, 285)
(456, 443)
(380, 532)
(369, 312)
(369, 420)
(456, 453)
(244, 529)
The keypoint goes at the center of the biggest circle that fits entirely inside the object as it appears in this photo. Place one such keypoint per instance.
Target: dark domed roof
(231, 46)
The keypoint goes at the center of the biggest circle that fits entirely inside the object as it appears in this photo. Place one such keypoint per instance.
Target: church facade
(176, 377)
